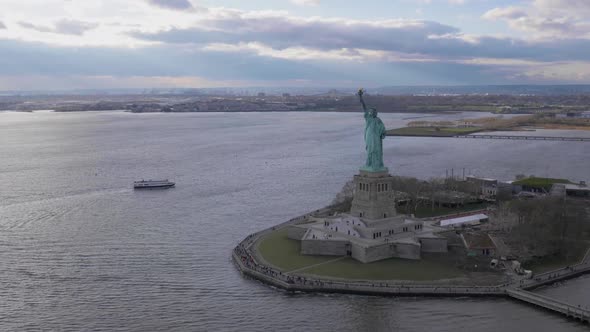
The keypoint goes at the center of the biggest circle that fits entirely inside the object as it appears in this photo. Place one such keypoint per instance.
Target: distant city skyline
(61, 44)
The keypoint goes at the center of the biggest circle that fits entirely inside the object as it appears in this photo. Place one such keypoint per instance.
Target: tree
(546, 226)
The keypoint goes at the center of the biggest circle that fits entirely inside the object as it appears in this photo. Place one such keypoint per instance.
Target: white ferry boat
(153, 184)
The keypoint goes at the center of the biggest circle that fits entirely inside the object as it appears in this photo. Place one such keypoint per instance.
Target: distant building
(573, 190)
(484, 187)
(414, 124)
(504, 189)
(507, 109)
(575, 115)
(536, 185)
(466, 124)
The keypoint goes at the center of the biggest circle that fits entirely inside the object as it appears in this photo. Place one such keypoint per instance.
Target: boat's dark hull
(155, 186)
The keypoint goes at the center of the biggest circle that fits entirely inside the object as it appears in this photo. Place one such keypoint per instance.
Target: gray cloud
(282, 32)
(73, 27)
(65, 26)
(411, 37)
(36, 27)
(509, 48)
(2, 25)
(505, 13)
(172, 4)
(21, 58)
(574, 7)
(443, 44)
(24, 58)
(547, 18)
(306, 2)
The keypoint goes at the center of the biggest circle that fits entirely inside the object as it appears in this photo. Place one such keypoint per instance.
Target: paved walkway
(550, 277)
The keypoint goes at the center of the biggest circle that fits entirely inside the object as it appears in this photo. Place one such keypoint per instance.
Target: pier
(506, 137)
(250, 264)
(526, 138)
(548, 303)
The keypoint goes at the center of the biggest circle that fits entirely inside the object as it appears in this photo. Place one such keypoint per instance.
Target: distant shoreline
(242, 111)
(550, 121)
(416, 132)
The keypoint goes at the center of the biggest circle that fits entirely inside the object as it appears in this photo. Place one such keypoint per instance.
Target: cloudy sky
(65, 44)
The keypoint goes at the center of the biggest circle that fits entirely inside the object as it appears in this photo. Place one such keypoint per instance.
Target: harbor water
(82, 251)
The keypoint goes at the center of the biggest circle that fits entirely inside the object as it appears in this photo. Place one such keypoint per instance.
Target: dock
(506, 137)
(526, 138)
(570, 311)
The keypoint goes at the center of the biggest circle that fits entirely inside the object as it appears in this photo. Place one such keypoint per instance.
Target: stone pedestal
(373, 196)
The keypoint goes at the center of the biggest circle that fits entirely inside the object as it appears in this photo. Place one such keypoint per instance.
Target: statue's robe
(374, 134)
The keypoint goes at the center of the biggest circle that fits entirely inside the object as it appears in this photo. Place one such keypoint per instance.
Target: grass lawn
(431, 131)
(389, 269)
(544, 183)
(554, 263)
(550, 264)
(284, 253)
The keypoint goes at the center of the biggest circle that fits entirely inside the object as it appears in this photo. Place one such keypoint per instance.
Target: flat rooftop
(478, 241)
(463, 220)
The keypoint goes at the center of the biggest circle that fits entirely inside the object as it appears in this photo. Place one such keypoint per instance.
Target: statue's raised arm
(360, 93)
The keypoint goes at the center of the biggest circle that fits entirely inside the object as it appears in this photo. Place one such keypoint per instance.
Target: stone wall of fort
(296, 232)
(434, 245)
(386, 250)
(326, 248)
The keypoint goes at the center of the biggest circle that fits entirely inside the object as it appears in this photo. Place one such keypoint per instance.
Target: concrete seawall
(377, 288)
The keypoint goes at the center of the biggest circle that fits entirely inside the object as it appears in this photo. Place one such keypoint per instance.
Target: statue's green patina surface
(374, 134)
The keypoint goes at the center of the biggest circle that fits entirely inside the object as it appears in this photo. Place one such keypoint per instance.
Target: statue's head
(373, 112)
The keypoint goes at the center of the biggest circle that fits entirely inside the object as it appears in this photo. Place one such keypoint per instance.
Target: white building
(472, 220)
(372, 230)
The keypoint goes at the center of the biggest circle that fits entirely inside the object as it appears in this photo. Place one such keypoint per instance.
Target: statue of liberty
(374, 135)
